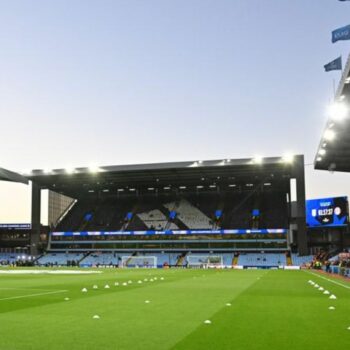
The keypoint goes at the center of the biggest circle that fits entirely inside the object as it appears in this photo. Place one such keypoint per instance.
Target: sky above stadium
(116, 82)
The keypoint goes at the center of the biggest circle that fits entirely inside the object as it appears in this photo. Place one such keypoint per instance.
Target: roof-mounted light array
(337, 113)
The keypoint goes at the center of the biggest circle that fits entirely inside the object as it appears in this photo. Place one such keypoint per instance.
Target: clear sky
(114, 82)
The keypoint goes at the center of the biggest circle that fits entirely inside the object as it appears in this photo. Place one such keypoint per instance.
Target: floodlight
(288, 158)
(257, 160)
(329, 135)
(322, 152)
(319, 159)
(70, 170)
(93, 168)
(47, 171)
(338, 111)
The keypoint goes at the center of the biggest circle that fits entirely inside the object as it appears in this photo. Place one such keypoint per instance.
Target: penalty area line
(34, 295)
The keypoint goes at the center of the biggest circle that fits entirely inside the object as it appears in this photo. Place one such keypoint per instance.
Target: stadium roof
(6, 175)
(81, 181)
(333, 152)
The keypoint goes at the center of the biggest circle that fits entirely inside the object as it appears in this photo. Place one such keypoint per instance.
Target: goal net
(204, 261)
(139, 261)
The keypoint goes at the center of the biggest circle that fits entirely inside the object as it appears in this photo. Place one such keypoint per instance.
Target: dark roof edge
(7, 175)
(166, 165)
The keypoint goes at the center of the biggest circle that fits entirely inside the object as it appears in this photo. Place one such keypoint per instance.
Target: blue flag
(334, 65)
(342, 33)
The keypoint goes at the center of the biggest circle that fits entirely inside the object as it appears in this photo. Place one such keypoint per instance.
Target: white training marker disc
(84, 290)
(95, 287)
(331, 308)
(106, 286)
(129, 282)
(207, 322)
(116, 283)
(147, 301)
(139, 282)
(332, 297)
(162, 278)
(228, 304)
(66, 299)
(125, 284)
(326, 292)
(96, 317)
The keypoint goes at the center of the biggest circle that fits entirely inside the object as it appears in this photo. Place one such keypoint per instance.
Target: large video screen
(327, 212)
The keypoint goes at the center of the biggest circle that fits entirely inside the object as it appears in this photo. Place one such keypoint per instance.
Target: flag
(342, 33)
(334, 65)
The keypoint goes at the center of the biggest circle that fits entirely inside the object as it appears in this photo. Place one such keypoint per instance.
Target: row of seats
(94, 259)
(252, 259)
(59, 258)
(11, 257)
(301, 260)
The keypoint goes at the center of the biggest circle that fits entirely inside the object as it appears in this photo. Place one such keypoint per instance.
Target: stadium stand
(298, 260)
(100, 259)
(60, 259)
(11, 258)
(266, 260)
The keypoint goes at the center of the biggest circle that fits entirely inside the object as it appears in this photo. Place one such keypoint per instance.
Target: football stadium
(197, 254)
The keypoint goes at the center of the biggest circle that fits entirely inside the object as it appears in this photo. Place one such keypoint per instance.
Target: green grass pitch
(269, 310)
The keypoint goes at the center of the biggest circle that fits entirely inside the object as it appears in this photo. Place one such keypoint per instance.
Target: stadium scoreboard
(327, 212)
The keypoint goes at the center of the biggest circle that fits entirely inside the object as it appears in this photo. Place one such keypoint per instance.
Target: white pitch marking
(329, 280)
(24, 289)
(34, 295)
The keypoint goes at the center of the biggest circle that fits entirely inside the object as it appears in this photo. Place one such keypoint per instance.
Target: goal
(139, 261)
(204, 261)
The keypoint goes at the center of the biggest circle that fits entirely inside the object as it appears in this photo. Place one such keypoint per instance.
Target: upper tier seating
(191, 216)
(155, 220)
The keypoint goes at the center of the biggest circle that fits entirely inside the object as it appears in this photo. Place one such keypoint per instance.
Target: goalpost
(204, 261)
(139, 261)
